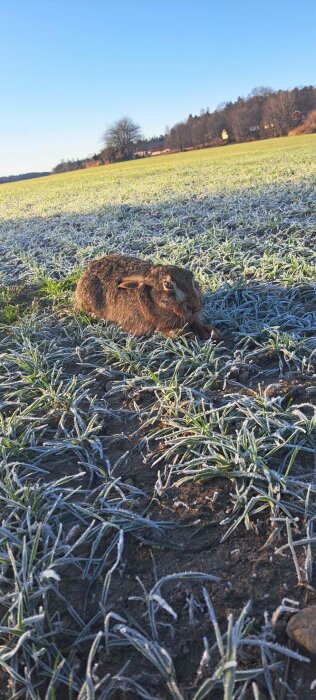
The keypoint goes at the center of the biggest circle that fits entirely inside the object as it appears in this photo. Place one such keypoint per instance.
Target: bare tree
(179, 136)
(260, 92)
(122, 136)
(277, 112)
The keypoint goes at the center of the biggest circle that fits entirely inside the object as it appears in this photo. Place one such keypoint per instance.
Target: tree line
(264, 113)
(23, 176)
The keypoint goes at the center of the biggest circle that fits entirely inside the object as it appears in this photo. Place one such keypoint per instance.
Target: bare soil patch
(245, 563)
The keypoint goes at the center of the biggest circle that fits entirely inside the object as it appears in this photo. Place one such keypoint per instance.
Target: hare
(142, 297)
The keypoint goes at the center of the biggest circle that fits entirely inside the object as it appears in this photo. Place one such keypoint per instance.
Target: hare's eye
(167, 285)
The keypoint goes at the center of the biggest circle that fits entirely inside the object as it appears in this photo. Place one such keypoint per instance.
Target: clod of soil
(302, 628)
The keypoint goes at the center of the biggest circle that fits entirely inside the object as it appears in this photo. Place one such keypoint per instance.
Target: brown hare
(142, 297)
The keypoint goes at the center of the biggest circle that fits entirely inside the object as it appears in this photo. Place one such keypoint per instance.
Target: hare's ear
(132, 282)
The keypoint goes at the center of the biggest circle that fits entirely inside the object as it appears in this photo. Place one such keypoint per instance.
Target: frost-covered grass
(244, 219)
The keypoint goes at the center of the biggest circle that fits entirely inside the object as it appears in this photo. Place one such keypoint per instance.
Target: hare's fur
(142, 297)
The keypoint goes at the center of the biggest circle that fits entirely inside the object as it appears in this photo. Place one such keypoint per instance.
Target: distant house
(93, 163)
(147, 153)
(160, 152)
(142, 154)
(297, 117)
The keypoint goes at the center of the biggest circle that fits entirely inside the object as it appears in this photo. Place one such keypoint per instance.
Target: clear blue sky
(68, 68)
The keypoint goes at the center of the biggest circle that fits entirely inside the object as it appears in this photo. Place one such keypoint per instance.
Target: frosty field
(158, 496)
